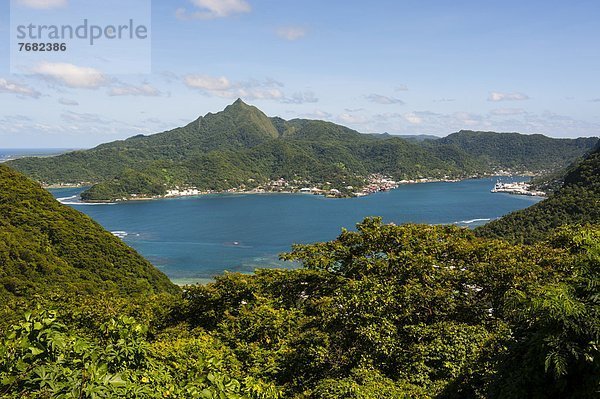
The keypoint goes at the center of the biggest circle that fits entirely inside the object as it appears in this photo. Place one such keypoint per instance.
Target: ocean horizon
(7, 154)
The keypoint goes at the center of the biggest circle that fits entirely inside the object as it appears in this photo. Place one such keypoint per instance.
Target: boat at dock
(519, 188)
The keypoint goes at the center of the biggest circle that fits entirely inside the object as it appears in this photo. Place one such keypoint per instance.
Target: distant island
(240, 149)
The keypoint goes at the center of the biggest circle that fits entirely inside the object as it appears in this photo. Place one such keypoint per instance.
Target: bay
(192, 239)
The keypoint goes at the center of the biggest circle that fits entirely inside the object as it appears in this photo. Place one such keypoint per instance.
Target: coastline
(519, 188)
(65, 185)
(198, 193)
(318, 192)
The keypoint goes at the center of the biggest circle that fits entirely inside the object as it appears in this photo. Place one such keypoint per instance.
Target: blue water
(192, 239)
(13, 153)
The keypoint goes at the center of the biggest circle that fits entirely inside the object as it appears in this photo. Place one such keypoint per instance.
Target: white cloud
(316, 114)
(259, 93)
(402, 87)
(379, 99)
(66, 101)
(207, 83)
(17, 118)
(507, 111)
(82, 130)
(468, 119)
(169, 76)
(497, 96)
(71, 75)
(301, 98)
(413, 118)
(440, 124)
(291, 32)
(43, 4)
(211, 9)
(145, 90)
(71, 116)
(20, 90)
(352, 118)
(267, 89)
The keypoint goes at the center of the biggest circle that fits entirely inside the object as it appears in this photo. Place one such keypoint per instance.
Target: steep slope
(238, 126)
(577, 202)
(48, 247)
(517, 151)
(242, 147)
(237, 147)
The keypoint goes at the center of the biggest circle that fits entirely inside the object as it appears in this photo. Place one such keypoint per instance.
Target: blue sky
(403, 67)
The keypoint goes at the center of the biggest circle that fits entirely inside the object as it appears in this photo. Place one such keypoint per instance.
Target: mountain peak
(239, 121)
(240, 105)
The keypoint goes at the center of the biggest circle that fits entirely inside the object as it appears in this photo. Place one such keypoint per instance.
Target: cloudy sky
(397, 66)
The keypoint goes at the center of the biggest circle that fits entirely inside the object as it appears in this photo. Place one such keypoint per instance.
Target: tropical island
(240, 149)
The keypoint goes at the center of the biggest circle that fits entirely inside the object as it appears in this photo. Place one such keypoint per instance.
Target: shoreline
(519, 188)
(65, 185)
(288, 192)
(321, 193)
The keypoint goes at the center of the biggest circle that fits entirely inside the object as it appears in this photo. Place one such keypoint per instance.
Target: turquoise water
(192, 239)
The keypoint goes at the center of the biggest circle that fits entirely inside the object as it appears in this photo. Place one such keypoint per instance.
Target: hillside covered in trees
(241, 147)
(385, 311)
(46, 247)
(516, 151)
(576, 202)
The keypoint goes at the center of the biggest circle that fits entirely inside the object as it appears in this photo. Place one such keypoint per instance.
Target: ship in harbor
(519, 188)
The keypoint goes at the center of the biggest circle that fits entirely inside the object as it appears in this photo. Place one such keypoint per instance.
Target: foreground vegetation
(242, 148)
(384, 312)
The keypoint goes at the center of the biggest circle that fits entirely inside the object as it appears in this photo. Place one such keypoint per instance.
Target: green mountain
(46, 247)
(518, 151)
(576, 202)
(241, 147)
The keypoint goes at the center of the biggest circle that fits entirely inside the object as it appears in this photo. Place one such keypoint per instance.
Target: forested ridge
(240, 147)
(411, 311)
(514, 151)
(46, 246)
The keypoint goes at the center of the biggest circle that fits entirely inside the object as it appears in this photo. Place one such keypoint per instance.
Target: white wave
(86, 203)
(67, 198)
(120, 234)
(472, 221)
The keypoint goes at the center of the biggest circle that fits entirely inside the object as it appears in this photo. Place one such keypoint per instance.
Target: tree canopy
(47, 247)
(382, 312)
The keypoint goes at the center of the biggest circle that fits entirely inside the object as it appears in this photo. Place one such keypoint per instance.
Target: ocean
(6, 154)
(192, 239)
